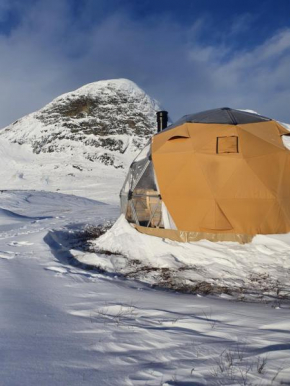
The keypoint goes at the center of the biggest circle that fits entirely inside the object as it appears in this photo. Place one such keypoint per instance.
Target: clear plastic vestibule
(140, 198)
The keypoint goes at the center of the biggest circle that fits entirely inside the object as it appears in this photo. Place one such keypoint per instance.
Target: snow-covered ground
(65, 172)
(62, 324)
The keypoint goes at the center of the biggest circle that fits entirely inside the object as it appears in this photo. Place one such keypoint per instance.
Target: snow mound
(259, 269)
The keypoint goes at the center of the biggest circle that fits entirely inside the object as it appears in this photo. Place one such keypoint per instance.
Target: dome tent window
(227, 145)
(221, 175)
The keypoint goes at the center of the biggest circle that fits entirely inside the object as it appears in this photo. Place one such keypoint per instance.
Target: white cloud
(48, 53)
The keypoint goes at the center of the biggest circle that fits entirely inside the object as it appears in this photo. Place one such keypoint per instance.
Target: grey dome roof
(224, 115)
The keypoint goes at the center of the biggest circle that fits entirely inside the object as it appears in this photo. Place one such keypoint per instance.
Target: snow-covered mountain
(80, 138)
(102, 120)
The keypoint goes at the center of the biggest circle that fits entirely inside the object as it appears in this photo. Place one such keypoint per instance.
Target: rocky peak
(103, 120)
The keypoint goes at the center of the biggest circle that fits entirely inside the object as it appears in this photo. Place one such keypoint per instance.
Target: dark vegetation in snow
(260, 288)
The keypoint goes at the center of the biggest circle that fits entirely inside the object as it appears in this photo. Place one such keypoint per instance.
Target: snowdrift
(257, 271)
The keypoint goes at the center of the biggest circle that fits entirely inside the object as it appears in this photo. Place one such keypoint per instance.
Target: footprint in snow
(6, 255)
(19, 243)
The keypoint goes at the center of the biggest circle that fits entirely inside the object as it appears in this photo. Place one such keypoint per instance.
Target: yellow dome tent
(221, 175)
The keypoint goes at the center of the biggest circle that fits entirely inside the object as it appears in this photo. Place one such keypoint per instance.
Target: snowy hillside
(76, 141)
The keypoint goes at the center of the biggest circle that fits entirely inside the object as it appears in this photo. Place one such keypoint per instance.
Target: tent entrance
(145, 208)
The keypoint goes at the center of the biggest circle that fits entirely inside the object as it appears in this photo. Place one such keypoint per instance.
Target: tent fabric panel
(267, 131)
(276, 219)
(204, 140)
(252, 146)
(176, 145)
(285, 207)
(189, 181)
(247, 215)
(182, 132)
(218, 170)
(270, 170)
(284, 183)
(244, 183)
(215, 219)
(164, 136)
(184, 236)
(187, 214)
(168, 166)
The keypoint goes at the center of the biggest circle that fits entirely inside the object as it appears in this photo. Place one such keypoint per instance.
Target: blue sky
(191, 55)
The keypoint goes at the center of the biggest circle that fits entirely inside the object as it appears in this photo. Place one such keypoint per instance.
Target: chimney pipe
(162, 119)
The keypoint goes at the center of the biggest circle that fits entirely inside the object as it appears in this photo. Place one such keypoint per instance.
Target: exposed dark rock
(115, 116)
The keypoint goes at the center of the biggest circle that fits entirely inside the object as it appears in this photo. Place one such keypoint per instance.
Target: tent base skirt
(187, 237)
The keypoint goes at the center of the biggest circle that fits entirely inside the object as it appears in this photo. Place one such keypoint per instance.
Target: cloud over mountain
(51, 48)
